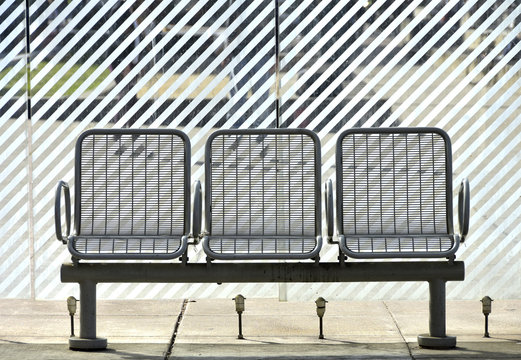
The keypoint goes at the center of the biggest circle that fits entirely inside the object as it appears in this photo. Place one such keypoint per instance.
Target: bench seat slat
(397, 246)
(122, 246)
(261, 246)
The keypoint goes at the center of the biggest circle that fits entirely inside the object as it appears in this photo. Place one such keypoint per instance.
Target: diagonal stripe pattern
(203, 65)
(16, 279)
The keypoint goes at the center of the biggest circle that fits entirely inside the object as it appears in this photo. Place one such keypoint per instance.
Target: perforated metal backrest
(263, 183)
(394, 181)
(132, 183)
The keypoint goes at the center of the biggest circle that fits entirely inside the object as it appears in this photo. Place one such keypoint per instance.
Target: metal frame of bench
(89, 274)
(132, 195)
(436, 273)
(394, 194)
(262, 195)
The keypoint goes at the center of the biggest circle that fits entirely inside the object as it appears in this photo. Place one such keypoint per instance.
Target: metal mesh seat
(263, 194)
(394, 193)
(132, 198)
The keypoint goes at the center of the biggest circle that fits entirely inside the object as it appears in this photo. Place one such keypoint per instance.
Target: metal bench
(262, 195)
(132, 195)
(263, 201)
(394, 194)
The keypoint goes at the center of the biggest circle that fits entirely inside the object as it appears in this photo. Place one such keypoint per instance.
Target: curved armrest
(464, 208)
(57, 211)
(329, 209)
(198, 211)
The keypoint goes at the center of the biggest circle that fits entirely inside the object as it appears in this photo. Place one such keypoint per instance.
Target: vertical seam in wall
(277, 64)
(29, 137)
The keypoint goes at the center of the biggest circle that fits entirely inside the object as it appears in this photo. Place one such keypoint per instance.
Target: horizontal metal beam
(262, 272)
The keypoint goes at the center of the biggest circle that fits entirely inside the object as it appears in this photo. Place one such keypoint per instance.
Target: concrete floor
(282, 330)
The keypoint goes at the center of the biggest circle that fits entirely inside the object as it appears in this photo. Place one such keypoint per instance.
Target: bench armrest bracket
(57, 211)
(198, 212)
(464, 208)
(329, 210)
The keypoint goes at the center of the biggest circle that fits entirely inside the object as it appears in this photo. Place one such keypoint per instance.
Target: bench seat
(261, 246)
(126, 246)
(410, 245)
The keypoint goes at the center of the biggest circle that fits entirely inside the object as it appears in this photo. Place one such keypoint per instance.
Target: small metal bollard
(71, 306)
(239, 307)
(487, 309)
(321, 309)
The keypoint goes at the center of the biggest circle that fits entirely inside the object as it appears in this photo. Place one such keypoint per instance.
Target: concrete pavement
(208, 329)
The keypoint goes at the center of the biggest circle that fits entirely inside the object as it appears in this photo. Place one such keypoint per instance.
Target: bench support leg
(87, 339)
(437, 337)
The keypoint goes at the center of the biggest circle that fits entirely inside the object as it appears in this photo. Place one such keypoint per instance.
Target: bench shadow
(272, 350)
(510, 349)
(345, 350)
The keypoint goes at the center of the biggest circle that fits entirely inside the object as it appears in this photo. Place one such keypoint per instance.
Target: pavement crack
(168, 352)
(399, 330)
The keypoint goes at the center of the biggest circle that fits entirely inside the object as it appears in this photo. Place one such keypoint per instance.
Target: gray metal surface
(464, 208)
(62, 187)
(437, 336)
(198, 211)
(132, 194)
(394, 193)
(87, 339)
(436, 273)
(262, 194)
(263, 272)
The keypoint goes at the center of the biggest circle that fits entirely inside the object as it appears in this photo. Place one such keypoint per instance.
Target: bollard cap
(321, 306)
(239, 303)
(487, 305)
(71, 305)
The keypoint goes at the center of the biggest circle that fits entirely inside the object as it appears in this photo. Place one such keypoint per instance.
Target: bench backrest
(395, 181)
(132, 183)
(263, 186)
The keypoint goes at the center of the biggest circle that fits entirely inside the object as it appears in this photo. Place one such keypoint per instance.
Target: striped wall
(202, 65)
